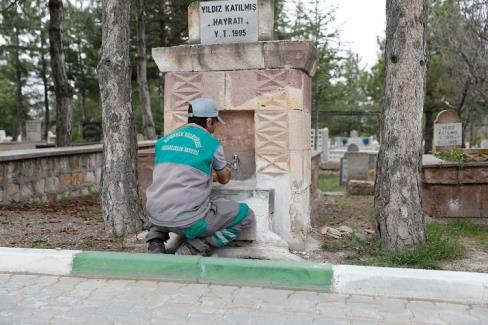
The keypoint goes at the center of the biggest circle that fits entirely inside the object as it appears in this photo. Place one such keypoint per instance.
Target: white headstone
(3, 135)
(232, 21)
(448, 134)
(484, 144)
(448, 131)
(325, 145)
(343, 172)
(33, 130)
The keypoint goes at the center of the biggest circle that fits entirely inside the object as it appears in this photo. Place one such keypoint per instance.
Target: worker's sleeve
(219, 162)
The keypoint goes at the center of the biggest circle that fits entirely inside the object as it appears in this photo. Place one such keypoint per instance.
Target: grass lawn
(330, 183)
(445, 243)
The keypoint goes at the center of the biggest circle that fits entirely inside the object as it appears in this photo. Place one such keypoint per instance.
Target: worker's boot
(187, 249)
(156, 246)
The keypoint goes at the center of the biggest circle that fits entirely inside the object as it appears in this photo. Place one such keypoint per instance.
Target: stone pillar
(272, 82)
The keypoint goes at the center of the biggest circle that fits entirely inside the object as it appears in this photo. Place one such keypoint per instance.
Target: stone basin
(261, 201)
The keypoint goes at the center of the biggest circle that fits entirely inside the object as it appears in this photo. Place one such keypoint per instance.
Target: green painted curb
(293, 275)
(139, 266)
(289, 275)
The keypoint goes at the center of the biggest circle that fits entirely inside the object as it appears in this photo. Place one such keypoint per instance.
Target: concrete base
(257, 251)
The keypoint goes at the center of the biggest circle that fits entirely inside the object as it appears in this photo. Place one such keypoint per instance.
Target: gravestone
(92, 131)
(343, 172)
(325, 145)
(448, 131)
(352, 148)
(33, 130)
(484, 144)
(231, 21)
(3, 135)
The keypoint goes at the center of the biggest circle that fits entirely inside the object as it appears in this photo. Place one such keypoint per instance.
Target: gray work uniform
(178, 200)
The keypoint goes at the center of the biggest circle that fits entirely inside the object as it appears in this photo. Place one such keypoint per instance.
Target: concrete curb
(195, 269)
(463, 287)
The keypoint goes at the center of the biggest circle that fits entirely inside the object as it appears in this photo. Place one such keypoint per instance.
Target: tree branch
(13, 3)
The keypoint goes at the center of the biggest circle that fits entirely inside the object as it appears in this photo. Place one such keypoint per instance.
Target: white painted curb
(463, 287)
(38, 261)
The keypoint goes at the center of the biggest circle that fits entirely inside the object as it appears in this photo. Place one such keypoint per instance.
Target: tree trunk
(45, 85)
(120, 199)
(144, 97)
(62, 88)
(19, 127)
(429, 130)
(84, 114)
(398, 203)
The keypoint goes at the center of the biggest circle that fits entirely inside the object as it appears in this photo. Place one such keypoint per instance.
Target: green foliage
(441, 246)
(463, 228)
(76, 137)
(455, 155)
(330, 183)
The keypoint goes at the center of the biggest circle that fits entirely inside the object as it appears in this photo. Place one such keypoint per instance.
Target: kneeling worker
(178, 199)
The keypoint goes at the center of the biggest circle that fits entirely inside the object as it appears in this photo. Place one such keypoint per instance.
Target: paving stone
(329, 297)
(299, 319)
(22, 280)
(363, 311)
(303, 301)
(66, 300)
(85, 288)
(331, 308)
(391, 306)
(361, 300)
(331, 319)
(40, 283)
(4, 277)
(361, 321)
(201, 318)
(481, 312)
(447, 306)
(456, 317)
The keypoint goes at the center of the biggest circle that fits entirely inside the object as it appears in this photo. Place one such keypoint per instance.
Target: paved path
(30, 299)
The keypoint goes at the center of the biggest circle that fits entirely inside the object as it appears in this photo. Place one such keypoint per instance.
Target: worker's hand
(223, 176)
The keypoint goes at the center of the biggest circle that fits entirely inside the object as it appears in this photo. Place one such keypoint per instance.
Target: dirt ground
(77, 224)
(74, 224)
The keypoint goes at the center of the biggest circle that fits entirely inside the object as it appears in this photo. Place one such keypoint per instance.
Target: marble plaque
(234, 21)
(448, 134)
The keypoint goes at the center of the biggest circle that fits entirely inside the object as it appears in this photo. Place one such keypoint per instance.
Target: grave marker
(448, 131)
(33, 130)
(484, 144)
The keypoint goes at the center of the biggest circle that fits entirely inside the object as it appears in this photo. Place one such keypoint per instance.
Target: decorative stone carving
(174, 120)
(272, 141)
(182, 88)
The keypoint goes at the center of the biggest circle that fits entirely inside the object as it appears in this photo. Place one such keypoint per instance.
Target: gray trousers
(222, 224)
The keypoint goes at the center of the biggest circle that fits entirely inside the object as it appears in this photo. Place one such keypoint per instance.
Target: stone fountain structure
(263, 88)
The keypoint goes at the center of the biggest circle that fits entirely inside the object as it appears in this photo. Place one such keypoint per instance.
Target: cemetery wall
(46, 175)
(451, 191)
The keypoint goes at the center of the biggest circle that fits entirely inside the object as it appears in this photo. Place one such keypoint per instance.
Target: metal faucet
(235, 162)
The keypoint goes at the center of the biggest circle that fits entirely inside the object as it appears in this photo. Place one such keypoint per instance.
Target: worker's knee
(249, 220)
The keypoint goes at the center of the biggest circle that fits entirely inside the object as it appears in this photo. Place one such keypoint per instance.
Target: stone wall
(451, 191)
(46, 175)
